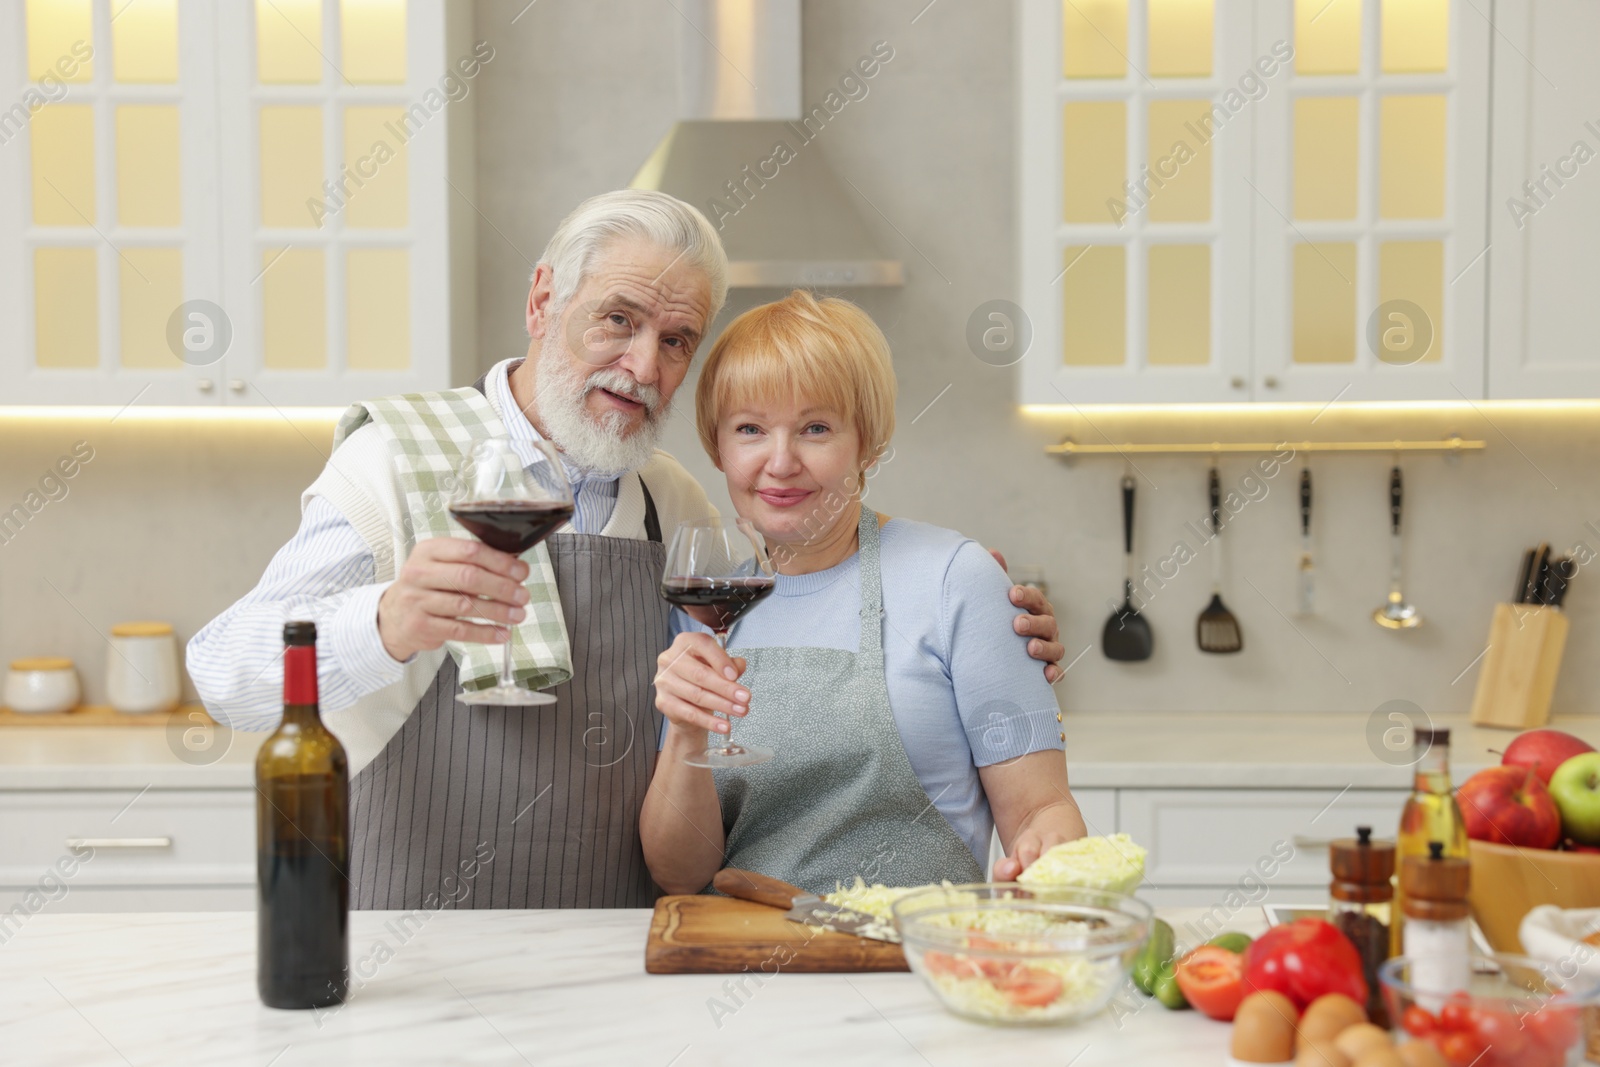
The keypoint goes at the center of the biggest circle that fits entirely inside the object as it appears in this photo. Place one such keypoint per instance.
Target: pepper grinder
(1362, 893)
(1437, 937)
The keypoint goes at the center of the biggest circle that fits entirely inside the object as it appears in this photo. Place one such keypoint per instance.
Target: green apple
(1575, 786)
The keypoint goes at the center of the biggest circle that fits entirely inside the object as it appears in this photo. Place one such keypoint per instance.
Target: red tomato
(1500, 1032)
(1303, 960)
(1211, 979)
(1418, 1021)
(1554, 1025)
(1456, 1013)
(1030, 987)
(1461, 1047)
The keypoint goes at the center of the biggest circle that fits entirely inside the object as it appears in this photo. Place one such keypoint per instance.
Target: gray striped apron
(839, 798)
(485, 807)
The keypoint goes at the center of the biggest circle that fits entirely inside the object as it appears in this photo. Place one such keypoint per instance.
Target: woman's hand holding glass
(696, 681)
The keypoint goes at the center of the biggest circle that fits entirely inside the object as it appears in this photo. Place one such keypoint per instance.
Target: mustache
(616, 381)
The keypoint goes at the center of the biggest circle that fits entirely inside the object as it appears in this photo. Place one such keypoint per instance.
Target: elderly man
(482, 806)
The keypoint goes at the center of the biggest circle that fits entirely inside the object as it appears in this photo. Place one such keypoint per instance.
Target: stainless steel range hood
(743, 153)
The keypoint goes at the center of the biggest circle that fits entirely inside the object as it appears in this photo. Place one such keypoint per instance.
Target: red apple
(1544, 750)
(1509, 806)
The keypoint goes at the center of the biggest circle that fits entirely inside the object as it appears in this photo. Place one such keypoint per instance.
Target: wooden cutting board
(720, 935)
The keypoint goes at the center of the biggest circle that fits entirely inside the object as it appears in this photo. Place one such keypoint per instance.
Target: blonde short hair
(828, 351)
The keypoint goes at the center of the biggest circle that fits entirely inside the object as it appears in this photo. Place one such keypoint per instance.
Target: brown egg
(1421, 1054)
(1321, 1054)
(1380, 1057)
(1263, 1029)
(1356, 1041)
(1328, 1016)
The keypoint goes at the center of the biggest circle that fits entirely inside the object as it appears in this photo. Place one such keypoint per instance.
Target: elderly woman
(908, 721)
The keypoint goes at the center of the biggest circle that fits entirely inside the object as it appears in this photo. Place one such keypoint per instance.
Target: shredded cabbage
(1112, 863)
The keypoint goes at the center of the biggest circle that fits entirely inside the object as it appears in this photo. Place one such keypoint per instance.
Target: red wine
(512, 526)
(302, 845)
(716, 602)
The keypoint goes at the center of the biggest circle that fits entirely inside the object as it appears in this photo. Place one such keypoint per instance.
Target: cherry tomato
(1500, 1032)
(1212, 980)
(1456, 1013)
(1303, 960)
(1554, 1025)
(1418, 1021)
(1461, 1047)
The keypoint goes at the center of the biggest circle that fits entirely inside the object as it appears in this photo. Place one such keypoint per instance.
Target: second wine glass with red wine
(511, 507)
(716, 572)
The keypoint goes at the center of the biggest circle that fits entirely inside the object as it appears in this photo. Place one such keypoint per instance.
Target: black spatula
(1216, 629)
(1127, 635)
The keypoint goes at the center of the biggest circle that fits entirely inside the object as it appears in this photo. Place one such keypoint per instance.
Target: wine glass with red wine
(716, 572)
(512, 507)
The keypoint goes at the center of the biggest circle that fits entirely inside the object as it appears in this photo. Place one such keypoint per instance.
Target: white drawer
(1221, 837)
(158, 837)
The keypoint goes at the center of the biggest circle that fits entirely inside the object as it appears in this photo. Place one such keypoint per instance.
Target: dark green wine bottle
(302, 845)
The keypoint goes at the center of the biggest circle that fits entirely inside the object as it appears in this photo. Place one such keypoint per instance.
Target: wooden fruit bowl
(1508, 882)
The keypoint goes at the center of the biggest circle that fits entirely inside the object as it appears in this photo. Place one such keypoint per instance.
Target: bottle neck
(1433, 770)
(300, 684)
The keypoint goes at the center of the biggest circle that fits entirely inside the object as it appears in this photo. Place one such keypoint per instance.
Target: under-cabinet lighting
(1286, 407)
(168, 413)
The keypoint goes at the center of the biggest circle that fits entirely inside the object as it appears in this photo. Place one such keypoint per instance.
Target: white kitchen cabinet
(1544, 210)
(1335, 168)
(302, 169)
(1225, 838)
(119, 850)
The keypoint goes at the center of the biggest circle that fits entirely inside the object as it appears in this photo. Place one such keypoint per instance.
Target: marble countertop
(504, 987)
(1148, 750)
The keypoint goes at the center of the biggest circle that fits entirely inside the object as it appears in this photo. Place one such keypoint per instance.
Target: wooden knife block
(1520, 666)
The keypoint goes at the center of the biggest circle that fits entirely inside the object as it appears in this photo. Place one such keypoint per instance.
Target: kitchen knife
(1541, 560)
(1528, 558)
(803, 907)
(1560, 579)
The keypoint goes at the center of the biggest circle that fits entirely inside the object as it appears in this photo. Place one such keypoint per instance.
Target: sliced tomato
(1212, 980)
(1030, 987)
(948, 966)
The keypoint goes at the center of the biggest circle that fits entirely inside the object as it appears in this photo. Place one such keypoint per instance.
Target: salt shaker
(1437, 938)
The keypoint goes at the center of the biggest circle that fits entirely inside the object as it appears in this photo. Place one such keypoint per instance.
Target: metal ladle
(1395, 613)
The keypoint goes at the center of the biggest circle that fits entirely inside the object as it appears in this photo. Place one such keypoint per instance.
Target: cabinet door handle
(119, 842)
(1301, 841)
(1236, 382)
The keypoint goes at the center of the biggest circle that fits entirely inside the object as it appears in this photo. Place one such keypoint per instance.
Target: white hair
(664, 220)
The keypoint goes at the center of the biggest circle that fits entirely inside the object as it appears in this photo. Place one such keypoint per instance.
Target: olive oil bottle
(302, 845)
(1430, 814)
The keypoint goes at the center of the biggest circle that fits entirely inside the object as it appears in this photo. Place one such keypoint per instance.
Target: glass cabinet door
(1134, 158)
(345, 131)
(1370, 253)
(115, 221)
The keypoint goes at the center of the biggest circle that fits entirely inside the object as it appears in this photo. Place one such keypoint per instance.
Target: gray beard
(594, 444)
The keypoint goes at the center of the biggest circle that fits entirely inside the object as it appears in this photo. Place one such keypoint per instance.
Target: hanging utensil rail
(1069, 448)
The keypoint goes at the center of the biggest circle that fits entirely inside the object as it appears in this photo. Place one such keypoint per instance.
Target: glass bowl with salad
(1021, 955)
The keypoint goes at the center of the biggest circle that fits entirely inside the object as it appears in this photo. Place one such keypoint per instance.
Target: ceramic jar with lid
(142, 668)
(42, 685)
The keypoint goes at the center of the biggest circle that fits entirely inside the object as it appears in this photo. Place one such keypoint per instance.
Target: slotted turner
(1216, 629)
(1127, 636)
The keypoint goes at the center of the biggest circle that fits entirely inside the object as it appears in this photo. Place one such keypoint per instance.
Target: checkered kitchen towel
(429, 434)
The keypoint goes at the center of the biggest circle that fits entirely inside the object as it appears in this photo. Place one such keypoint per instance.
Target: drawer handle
(1301, 841)
(119, 842)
